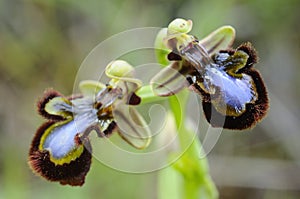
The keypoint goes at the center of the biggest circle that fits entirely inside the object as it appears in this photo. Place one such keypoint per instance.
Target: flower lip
(72, 173)
(253, 111)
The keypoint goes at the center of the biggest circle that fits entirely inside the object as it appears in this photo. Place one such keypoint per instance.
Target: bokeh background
(43, 43)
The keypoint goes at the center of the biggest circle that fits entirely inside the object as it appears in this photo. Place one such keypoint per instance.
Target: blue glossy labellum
(69, 168)
(241, 97)
(72, 173)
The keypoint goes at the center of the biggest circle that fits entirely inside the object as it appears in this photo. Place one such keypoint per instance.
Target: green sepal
(220, 39)
(90, 87)
(131, 126)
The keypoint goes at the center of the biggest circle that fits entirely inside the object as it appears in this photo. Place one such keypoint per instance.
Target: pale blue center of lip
(61, 141)
(235, 92)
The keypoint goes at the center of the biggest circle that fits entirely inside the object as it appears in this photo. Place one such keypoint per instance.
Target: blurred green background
(42, 44)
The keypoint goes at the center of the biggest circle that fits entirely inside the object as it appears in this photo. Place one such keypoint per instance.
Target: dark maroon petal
(72, 173)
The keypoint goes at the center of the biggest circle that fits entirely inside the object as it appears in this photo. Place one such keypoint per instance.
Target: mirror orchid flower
(61, 149)
(233, 93)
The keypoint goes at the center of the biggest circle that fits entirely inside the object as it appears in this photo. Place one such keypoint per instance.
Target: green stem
(194, 171)
(196, 179)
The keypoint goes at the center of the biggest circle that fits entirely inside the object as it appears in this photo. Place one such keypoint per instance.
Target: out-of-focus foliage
(42, 44)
